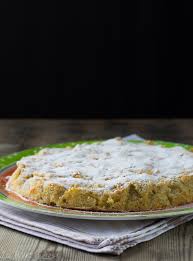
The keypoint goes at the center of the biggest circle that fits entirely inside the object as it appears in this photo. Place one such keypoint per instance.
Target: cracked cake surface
(113, 175)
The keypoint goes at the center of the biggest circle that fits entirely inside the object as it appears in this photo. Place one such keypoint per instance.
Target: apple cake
(112, 175)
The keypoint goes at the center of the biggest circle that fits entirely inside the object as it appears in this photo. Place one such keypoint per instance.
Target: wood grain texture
(16, 135)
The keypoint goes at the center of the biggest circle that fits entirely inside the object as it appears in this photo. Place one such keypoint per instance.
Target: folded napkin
(111, 237)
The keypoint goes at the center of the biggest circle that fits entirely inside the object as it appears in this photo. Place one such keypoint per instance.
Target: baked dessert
(113, 175)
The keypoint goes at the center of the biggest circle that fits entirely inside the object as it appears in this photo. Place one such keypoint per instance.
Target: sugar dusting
(107, 165)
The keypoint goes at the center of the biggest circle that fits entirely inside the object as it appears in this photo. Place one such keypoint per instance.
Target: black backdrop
(85, 59)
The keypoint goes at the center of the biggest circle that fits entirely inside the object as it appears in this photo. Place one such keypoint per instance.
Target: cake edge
(135, 196)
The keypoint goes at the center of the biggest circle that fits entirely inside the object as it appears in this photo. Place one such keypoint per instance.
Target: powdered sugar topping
(107, 165)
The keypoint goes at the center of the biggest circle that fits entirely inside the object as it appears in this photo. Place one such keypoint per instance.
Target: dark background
(91, 59)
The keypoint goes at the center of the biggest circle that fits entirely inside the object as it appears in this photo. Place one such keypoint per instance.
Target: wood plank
(174, 245)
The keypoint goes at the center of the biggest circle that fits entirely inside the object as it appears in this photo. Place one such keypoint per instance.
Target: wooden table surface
(21, 134)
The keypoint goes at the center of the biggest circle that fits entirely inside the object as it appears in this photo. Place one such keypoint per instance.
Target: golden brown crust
(135, 196)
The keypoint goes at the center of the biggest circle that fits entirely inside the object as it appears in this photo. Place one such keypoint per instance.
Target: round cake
(113, 175)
